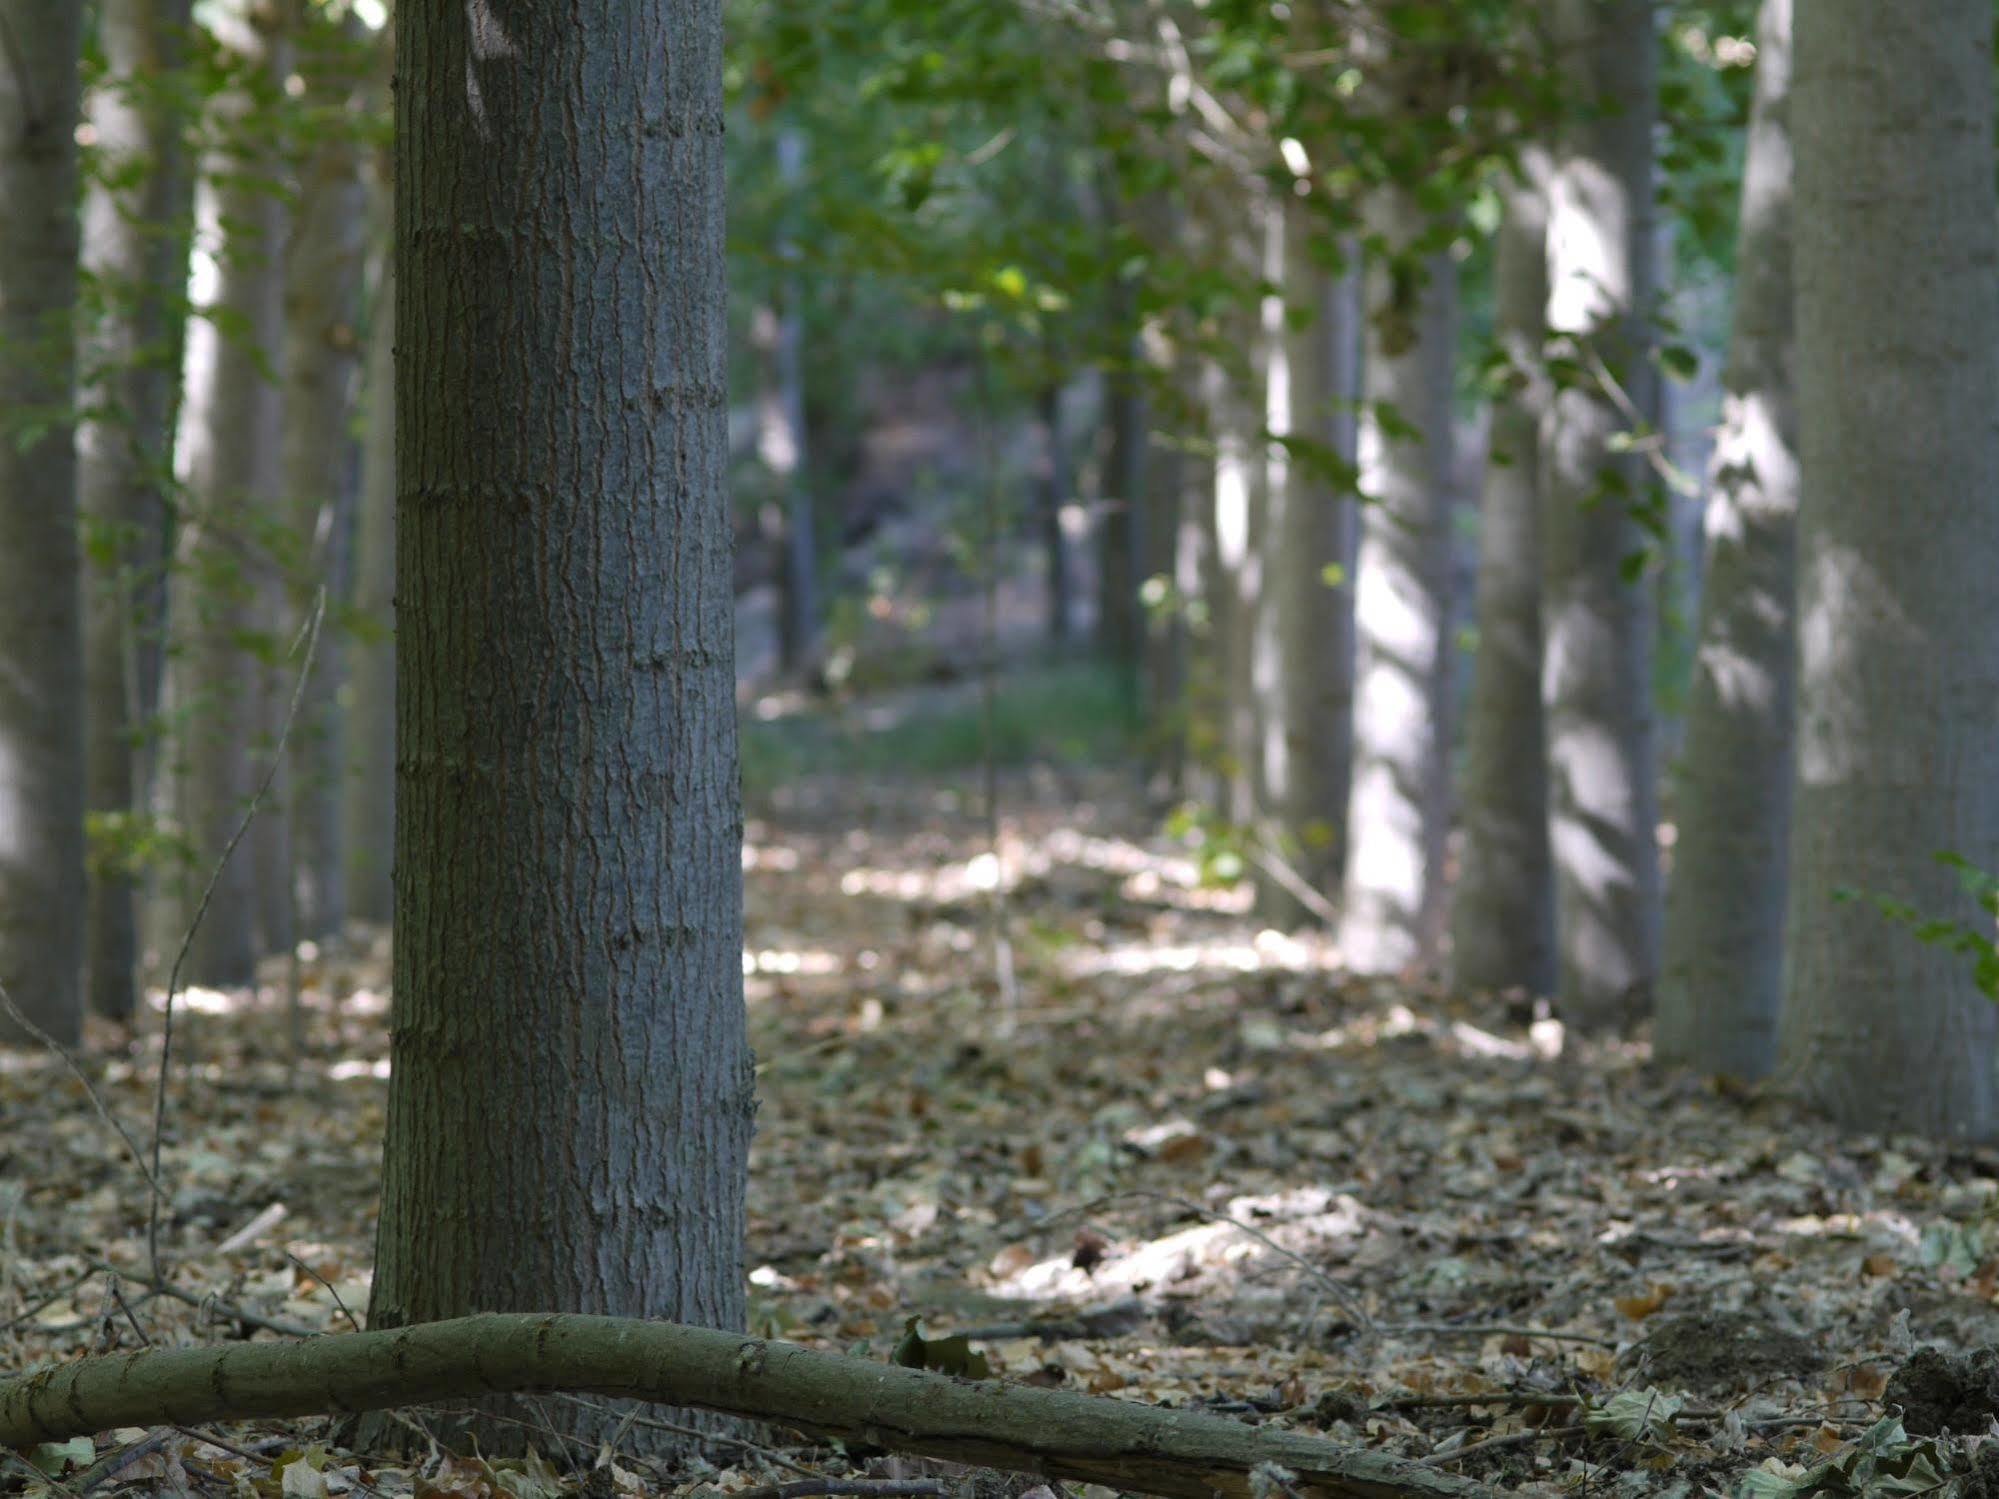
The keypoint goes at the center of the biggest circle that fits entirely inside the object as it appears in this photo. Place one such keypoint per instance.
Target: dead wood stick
(1054, 1433)
(222, 1310)
(874, 1488)
(1510, 1439)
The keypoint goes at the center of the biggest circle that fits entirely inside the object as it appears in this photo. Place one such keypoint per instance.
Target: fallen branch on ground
(1054, 1433)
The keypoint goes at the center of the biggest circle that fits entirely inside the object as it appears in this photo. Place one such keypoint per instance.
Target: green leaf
(53, 1457)
(1678, 361)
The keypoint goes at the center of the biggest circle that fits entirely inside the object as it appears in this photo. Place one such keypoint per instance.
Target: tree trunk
(371, 721)
(1897, 234)
(1724, 941)
(1304, 668)
(1399, 809)
(41, 628)
(1503, 912)
(1121, 529)
(321, 366)
(1235, 420)
(568, 830)
(229, 436)
(1054, 500)
(1598, 619)
(135, 252)
(781, 436)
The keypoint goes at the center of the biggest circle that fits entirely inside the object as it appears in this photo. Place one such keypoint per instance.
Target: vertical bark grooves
(1398, 810)
(568, 881)
(1897, 237)
(1503, 916)
(41, 629)
(323, 276)
(135, 250)
(1721, 974)
(228, 444)
(1598, 622)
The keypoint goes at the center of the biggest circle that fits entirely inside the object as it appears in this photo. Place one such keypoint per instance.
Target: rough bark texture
(1721, 977)
(323, 276)
(370, 808)
(1086, 1439)
(135, 254)
(229, 437)
(572, 1096)
(1598, 622)
(41, 628)
(1305, 657)
(1398, 813)
(1897, 236)
(1503, 912)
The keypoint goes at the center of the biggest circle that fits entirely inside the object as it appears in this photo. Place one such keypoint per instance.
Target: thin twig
(311, 638)
(51, 1299)
(655, 1423)
(331, 1289)
(112, 1464)
(1511, 1439)
(222, 1310)
(69, 1061)
(1003, 969)
(1491, 1330)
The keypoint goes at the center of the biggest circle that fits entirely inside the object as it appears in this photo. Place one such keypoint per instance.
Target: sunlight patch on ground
(1303, 1221)
(1267, 951)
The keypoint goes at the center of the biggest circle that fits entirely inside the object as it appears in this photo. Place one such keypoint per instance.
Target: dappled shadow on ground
(1059, 1096)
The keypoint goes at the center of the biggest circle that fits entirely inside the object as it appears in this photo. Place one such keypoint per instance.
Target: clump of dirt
(1722, 1351)
(1939, 1392)
(1982, 1482)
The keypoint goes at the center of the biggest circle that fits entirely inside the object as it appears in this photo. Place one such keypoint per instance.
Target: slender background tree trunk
(1306, 657)
(1724, 943)
(1398, 812)
(41, 628)
(324, 274)
(229, 436)
(1503, 913)
(371, 720)
(1598, 619)
(135, 233)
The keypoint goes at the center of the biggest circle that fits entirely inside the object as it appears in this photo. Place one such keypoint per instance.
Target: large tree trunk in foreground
(135, 250)
(1603, 772)
(571, 1101)
(1088, 1439)
(1721, 974)
(1503, 912)
(1398, 812)
(41, 628)
(1897, 235)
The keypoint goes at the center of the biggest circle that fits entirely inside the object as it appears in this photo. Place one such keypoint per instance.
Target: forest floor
(1173, 1159)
